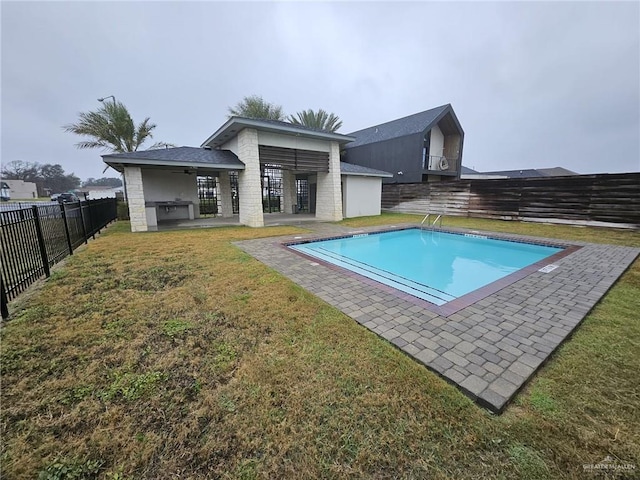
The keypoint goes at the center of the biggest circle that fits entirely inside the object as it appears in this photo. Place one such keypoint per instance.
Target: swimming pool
(431, 265)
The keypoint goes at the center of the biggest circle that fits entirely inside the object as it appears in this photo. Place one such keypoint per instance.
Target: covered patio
(162, 189)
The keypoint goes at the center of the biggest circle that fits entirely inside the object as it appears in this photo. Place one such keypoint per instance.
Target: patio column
(249, 186)
(135, 197)
(329, 190)
(226, 205)
(289, 191)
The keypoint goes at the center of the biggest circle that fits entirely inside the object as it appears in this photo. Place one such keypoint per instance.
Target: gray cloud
(533, 84)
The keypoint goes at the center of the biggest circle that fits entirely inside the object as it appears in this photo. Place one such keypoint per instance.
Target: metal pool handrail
(426, 219)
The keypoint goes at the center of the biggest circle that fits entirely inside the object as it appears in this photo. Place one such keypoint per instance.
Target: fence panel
(53, 232)
(75, 224)
(21, 259)
(37, 237)
(601, 199)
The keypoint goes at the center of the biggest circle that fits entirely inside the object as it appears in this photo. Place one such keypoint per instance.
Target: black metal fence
(35, 238)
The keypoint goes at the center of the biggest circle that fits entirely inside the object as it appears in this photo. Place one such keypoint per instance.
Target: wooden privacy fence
(35, 238)
(604, 199)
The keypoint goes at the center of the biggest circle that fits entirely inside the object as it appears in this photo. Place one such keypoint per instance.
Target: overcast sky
(534, 85)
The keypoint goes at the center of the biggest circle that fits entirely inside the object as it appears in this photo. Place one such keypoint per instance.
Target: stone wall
(329, 191)
(249, 186)
(135, 198)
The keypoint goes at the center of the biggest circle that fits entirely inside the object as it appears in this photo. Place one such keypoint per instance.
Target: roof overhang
(234, 125)
(360, 171)
(359, 174)
(120, 162)
(448, 122)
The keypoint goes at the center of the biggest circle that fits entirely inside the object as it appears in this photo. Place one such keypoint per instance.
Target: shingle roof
(234, 125)
(288, 124)
(351, 169)
(524, 173)
(203, 156)
(401, 127)
(534, 172)
(556, 172)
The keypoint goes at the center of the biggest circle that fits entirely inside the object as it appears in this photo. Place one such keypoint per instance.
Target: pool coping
(489, 348)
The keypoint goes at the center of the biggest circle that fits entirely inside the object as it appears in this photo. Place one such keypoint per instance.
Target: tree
(51, 177)
(255, 107)
(102, 182)
(112, 128)
(320, 120)
(55, 179)
(19, 170)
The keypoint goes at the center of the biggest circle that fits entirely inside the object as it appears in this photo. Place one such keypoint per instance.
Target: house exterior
(468, 173)
(21, 190)
(161, 184)
(95, 192)
(423, 147)
(534, 173)
(341, 175)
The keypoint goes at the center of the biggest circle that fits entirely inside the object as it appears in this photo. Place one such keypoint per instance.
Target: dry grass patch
(175, 354)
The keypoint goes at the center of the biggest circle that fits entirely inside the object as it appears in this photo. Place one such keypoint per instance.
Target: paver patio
(490, 345)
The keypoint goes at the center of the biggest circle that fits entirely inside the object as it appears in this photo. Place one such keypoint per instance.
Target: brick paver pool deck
(492, 343)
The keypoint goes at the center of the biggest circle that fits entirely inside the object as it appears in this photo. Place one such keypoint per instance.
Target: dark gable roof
(556, 172)
(351, 169)
(524, 173)
(203, 156)
(467, 170)
(534, 172)
(401, 127)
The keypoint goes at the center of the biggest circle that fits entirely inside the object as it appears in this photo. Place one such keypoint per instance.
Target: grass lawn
(176, 355)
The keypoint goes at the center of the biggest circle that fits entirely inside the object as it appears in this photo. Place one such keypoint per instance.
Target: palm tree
(320, 120)
(111, 128)
(255, 106)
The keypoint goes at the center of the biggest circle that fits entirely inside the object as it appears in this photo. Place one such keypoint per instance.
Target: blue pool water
(434, 266)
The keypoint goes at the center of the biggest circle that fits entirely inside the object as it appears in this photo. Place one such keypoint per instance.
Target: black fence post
(84, 228)
(63, 209)
(3, 300)
(91, 230)
(43, 248)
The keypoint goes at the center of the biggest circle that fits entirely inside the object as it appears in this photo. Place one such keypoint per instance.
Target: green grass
(174, 354)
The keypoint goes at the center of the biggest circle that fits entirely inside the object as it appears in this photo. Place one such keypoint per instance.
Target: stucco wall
(436, 147)
(231, 145)
(291, 141)
(105, 193)
(361, 195)
(22, 190)
(164, 185)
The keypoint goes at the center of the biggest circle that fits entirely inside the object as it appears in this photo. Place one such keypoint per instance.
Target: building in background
(468, 173)
(424, 147)
(21, 190)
